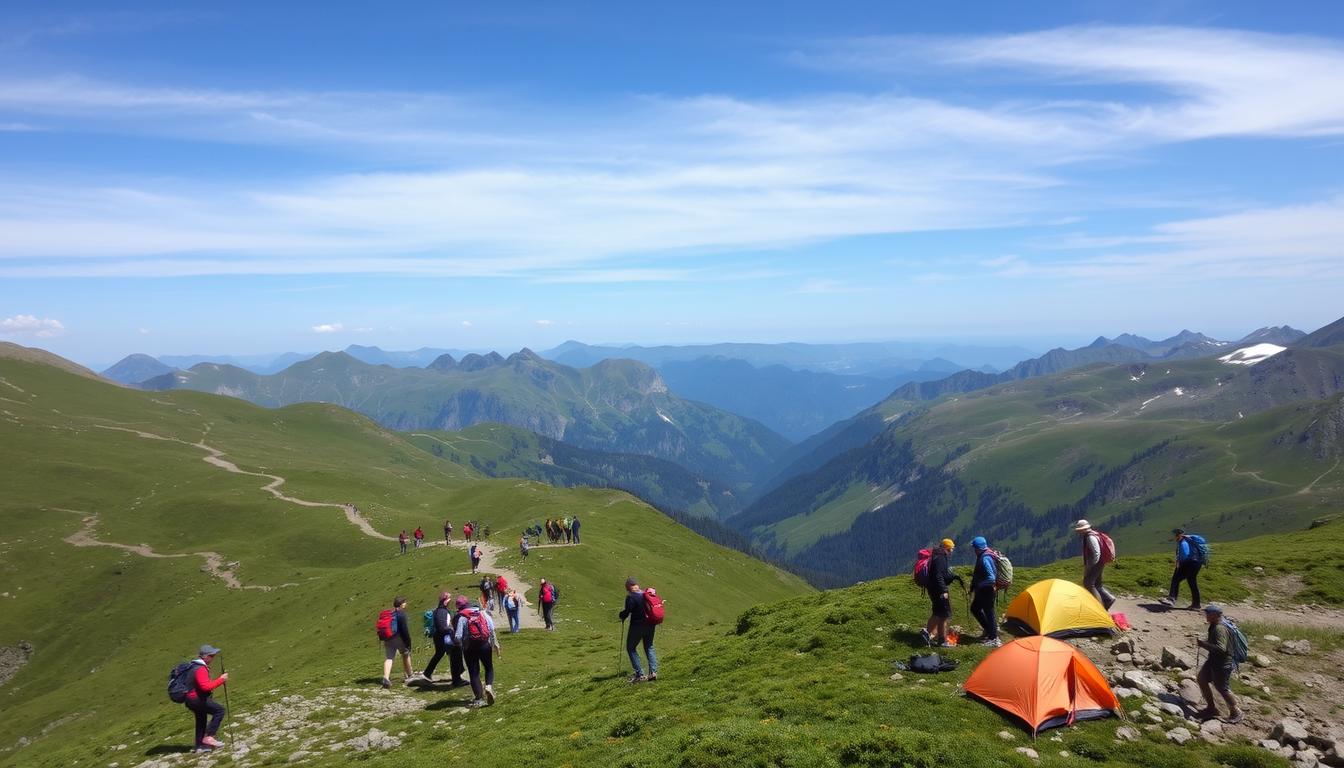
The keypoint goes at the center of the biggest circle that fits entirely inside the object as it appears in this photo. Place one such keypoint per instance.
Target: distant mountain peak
(524, 355)
(1283, 335)
(444, 362)
(475, 362)
(135, 368)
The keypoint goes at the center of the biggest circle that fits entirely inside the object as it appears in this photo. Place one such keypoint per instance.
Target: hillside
(136, 526)
(136, 368)
(1235, 449)
(613, 406)
(497, 450)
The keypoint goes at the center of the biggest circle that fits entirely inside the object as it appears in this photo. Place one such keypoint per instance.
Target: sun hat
(208, 650)
(1082, 525)
(1214, 608)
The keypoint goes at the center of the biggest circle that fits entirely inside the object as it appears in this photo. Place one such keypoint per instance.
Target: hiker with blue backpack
(189, 684)
(445, 644)
(1192, 552)
(985, 587)
(1227, 648)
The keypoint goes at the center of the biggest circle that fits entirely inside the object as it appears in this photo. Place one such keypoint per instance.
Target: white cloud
(328, 328)
(545, 323)
(466, 323)
(144, 331)
(31, 325)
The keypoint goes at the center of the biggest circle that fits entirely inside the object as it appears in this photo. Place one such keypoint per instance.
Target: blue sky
(241, 178)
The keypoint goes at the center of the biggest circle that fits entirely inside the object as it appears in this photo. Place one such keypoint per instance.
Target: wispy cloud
(328, 328)
(826, 285)
(545, 323)
(31, 325)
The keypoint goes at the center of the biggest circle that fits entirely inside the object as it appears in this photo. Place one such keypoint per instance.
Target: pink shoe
(212, 742)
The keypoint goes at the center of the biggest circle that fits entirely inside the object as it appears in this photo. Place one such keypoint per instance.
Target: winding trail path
(216, 566)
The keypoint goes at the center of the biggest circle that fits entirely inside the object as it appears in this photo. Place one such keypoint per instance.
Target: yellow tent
(1057, 608)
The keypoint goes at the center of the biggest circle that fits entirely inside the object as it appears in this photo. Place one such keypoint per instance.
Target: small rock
(1175, 710)
(1179, 735)
(1124, 645)
(1029, 752)
(1174, 658)
(897, 677)
(1191, 694)
(297, 756)
(1127, 693)
(1211, 730)
(1144, 682)
(1306, 758)
(1125, 658)
(1006, 735)
(1296, 647)
(1271, 638)
(1289, 732)
(1261, 660)
(1126, 733)
(1258, 570)
(1270, 744)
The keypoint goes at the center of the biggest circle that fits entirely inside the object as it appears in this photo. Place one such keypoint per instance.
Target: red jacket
(548, 594)
(202, 682)
(501, 584)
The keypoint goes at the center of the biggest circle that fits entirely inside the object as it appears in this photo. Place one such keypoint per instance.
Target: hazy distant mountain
(416, 358)
(263, 364)
(617, 406)
(133, 369)
(863, 358)
(1282, 335)
(1328, 336)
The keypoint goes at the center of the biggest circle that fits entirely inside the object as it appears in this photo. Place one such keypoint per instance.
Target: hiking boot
(1168, 601)
(386, 683)
(1234, 718)
(490, 695)
(204, 750)
(653, 677)
(637, 679)
(476, 703)
(924, 635)
(1207, 713)
(211, 742)
(944, 644)
(993, 642)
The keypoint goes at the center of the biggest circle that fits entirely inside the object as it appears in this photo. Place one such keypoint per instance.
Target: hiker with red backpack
(501, 589)
(395, 633)
(938, 579)
(419, 536)
(476, 636)
(1098, 550)
(548, 598)
(645, 610)
(1192, 552)
(191, 682)
(985, 587)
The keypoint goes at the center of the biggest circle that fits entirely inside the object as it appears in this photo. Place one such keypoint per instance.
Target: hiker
(513, 606)
(1093, 563)
(984, 586)
(444, 642)
(574, 528)
(1188, 563)
(447, 532)
(940, 579)
(466, 530)
(398, 643)
(641, 631)
(478, 648)
(523, 546)
(486, 589)
(419, 536)
(200, 702)
(402, 539)
(564, 526)
(1216, 674)
(501, 589)
(475, 554)
(547, 603)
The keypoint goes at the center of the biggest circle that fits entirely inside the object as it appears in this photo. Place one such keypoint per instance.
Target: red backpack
(384, 625)
(478, 631)
(921, 573)
(653, 607)
(1107, 547)
(501, 584)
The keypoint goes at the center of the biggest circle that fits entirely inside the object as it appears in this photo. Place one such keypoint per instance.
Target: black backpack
(180, 681)
(931, 663)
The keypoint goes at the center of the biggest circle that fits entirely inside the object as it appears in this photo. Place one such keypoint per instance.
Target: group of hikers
(470, 529)
(562, 528)
(992, 572)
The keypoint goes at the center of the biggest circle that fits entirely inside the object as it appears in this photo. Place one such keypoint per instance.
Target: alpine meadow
(752, 385)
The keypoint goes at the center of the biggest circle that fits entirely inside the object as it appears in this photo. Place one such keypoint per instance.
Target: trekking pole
(225, 670)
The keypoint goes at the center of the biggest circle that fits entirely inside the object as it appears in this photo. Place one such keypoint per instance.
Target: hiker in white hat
(1098, 550)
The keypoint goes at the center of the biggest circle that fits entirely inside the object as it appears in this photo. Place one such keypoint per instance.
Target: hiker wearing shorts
(444, 642)
(398, 643)
(547, 604)
(940, 580)
(1216, 674)
(984, 586)
(200, 702)
(1187, 570)
(1093, 567)
(641, 632)
(477, 653)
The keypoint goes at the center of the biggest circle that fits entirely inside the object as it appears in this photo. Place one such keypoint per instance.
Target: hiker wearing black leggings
(984, 583)
(477, 653)
(200, 702)
(1188, 564)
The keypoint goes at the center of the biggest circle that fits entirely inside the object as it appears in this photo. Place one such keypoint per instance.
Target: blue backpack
(1237, 647)
(180, 679)
(1199, 548)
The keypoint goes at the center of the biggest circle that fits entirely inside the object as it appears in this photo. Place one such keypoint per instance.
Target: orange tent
(1043, 681)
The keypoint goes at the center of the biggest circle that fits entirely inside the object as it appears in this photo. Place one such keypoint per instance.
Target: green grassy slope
(615, 405)
(1231, 451)
(105, 623)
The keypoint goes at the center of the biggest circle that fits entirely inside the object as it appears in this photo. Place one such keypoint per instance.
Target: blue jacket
(1185, 551)
(985, 574)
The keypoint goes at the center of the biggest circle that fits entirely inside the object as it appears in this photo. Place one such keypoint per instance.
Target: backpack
(478, 631)
(1199, 548)
(1107, 547)
(384, 625)
(180, 680)
(501, 584)
(555, 591)
(429, 623)
(1003, 569)
(930, 663)
(1237, 647)
(921, 573)
(653, 607)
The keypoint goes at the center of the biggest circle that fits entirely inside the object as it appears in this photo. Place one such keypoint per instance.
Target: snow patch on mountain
(1253, 354)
